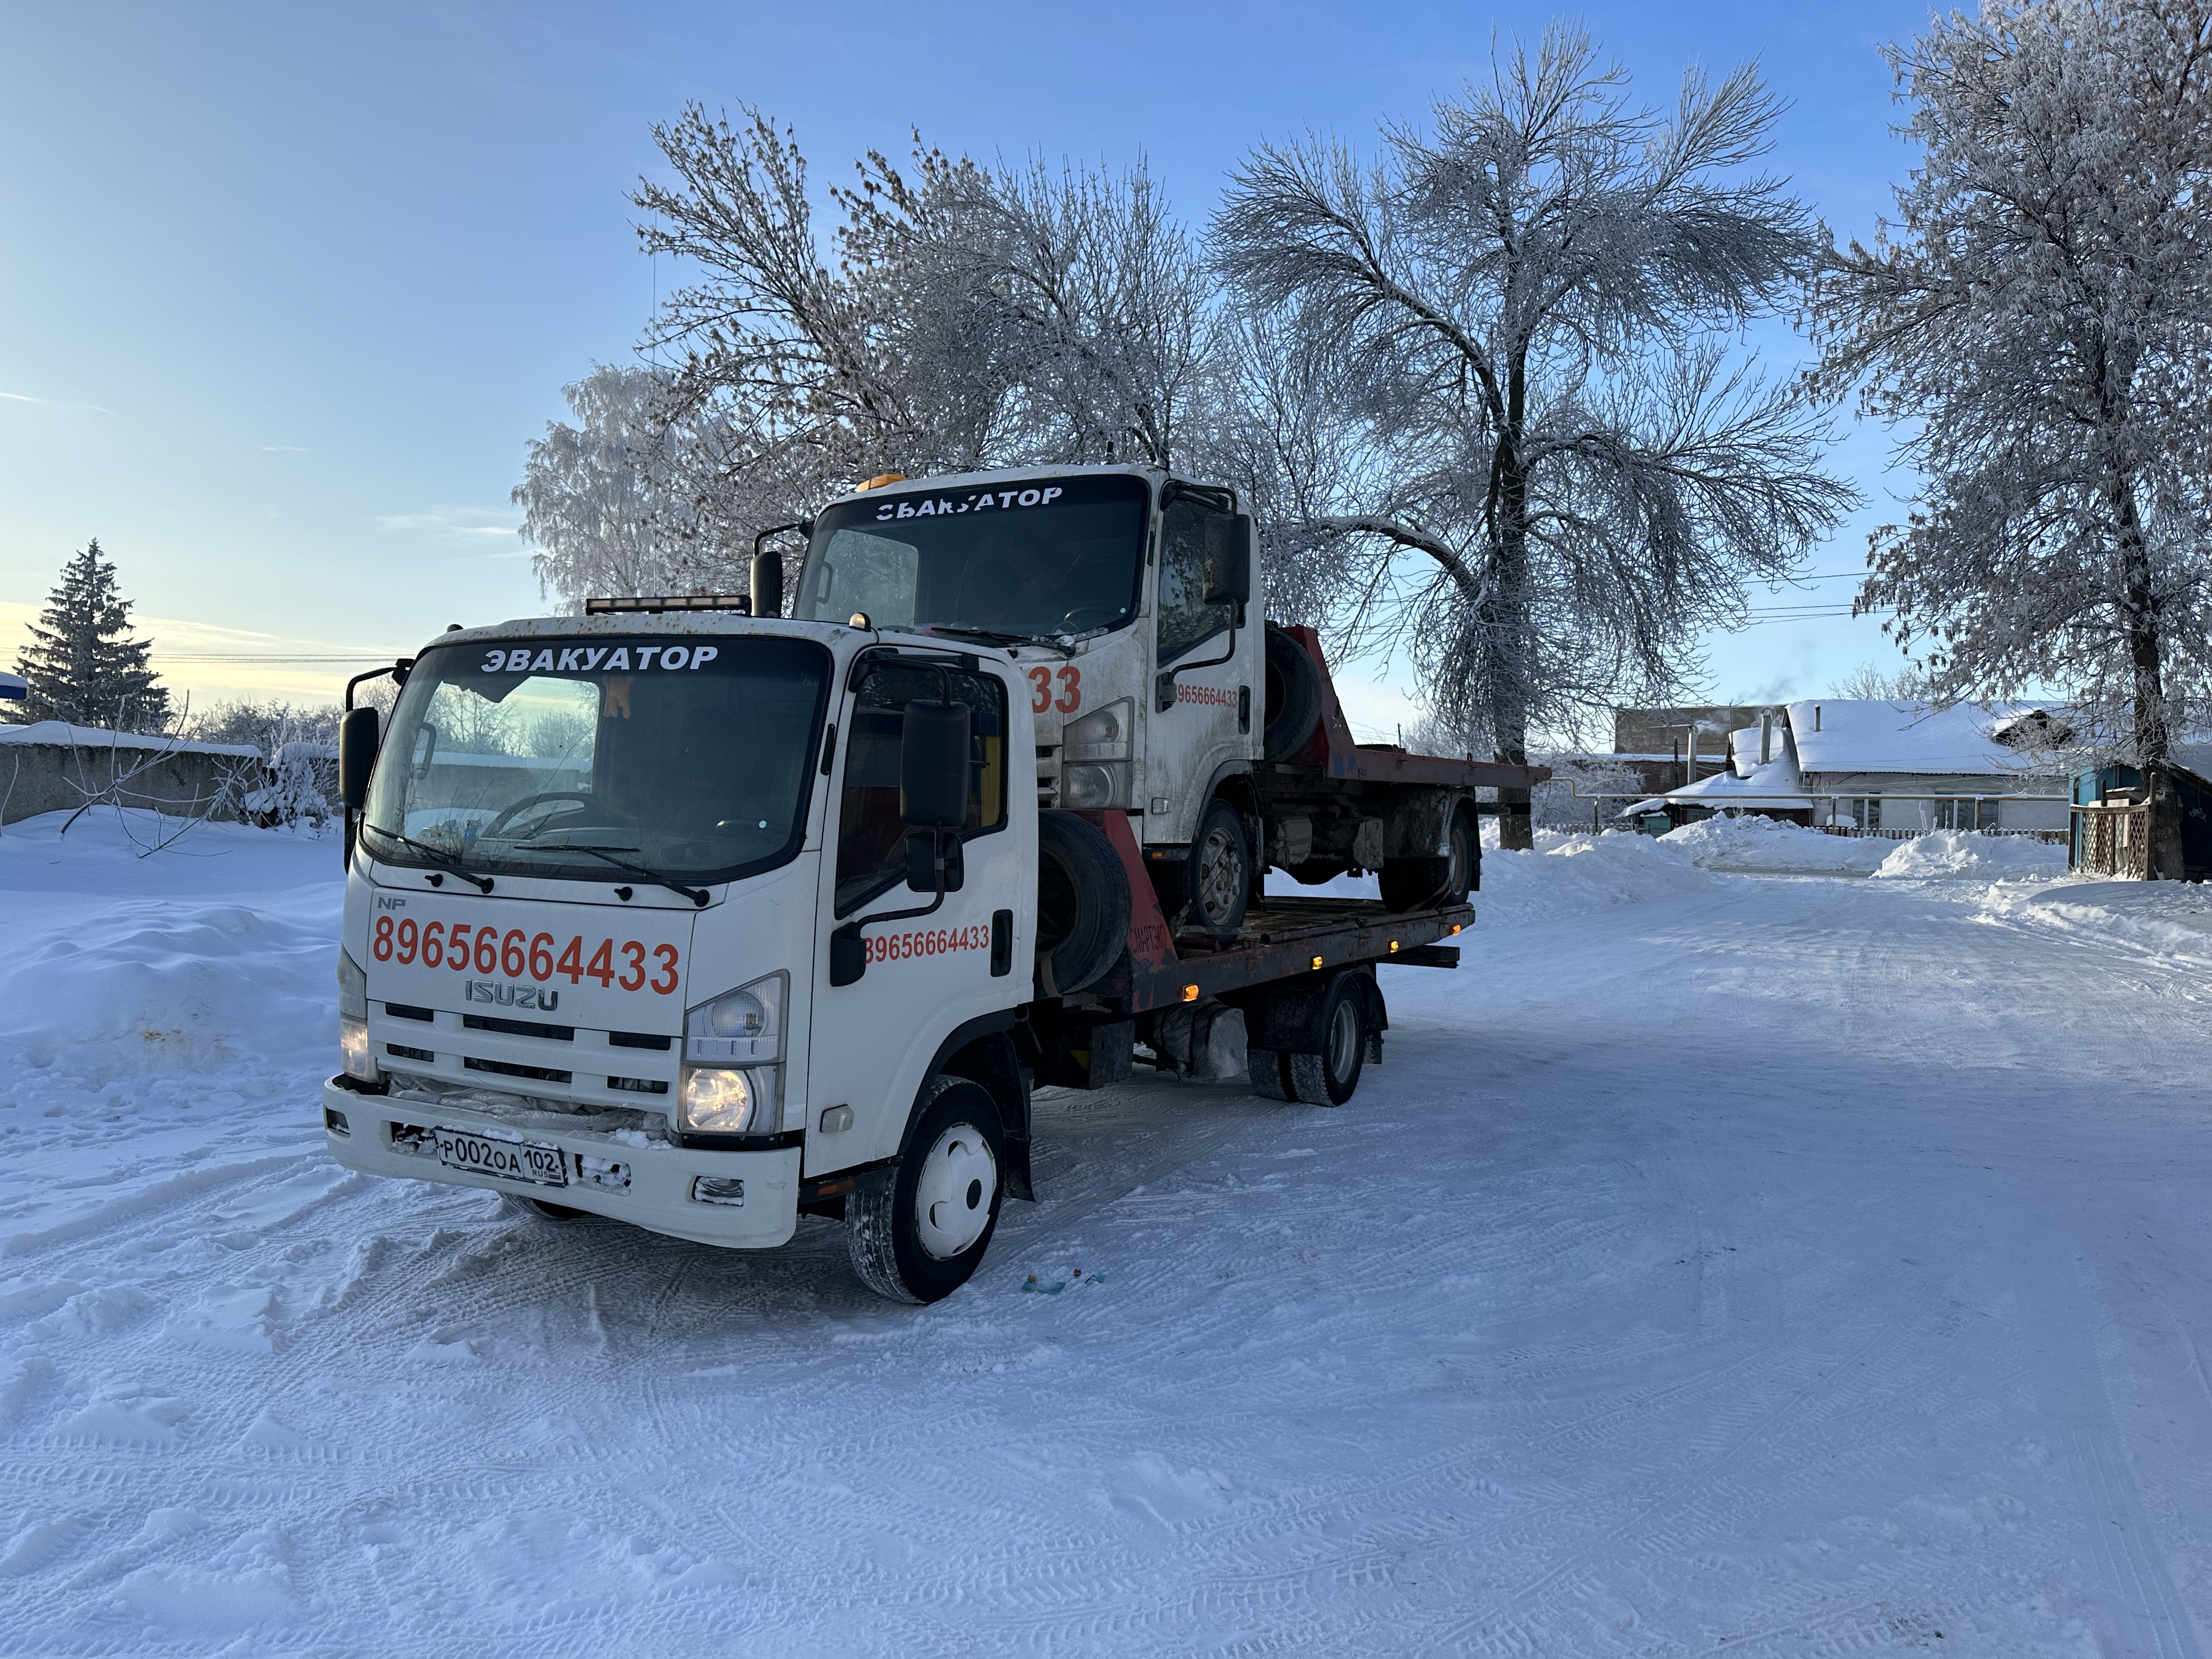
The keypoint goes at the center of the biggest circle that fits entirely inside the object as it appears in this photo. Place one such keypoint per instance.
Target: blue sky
(285, 289)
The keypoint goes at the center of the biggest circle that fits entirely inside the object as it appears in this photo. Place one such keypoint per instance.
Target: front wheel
(917, 1231)
(1220, 872)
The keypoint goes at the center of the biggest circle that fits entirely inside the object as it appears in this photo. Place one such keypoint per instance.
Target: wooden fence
(2114, 838)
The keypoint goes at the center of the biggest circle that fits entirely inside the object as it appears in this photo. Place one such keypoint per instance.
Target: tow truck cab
(1123, 594)
(608, 868)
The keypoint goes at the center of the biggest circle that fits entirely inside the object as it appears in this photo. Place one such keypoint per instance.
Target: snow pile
(1770, 845)
(2166, 918)
(1573, 875)
(164, 958)
(1967, 854)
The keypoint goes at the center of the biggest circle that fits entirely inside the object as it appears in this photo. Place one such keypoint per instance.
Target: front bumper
(649, 1187)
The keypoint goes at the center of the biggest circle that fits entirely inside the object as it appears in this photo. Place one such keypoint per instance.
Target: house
(1667, 747)
(1889, 767)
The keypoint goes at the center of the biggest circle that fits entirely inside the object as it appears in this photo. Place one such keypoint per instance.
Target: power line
(198, 656)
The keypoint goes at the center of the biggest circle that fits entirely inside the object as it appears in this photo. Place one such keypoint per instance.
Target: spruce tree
(84, 663)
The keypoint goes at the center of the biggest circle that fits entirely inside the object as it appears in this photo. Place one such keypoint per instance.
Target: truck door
(871, 1040)
(1209, 720)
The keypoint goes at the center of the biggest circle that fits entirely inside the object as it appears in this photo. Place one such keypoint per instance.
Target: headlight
(353, 1048)
(719, 1100)
(353, 988)
(1091, 785)
(1101, 734)
(743, 1027)
(732, 1080)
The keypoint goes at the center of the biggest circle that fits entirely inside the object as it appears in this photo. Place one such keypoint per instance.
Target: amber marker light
(1393, 947)
(1316, 962)
(1190, 993)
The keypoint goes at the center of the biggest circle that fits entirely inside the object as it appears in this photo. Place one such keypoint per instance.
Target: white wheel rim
(952, 1195)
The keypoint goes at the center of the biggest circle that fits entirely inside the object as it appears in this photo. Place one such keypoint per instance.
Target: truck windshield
(690, 758)
(1025, 561)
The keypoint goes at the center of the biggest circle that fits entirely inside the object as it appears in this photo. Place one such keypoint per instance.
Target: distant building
(1667, 747)
(1883, 767)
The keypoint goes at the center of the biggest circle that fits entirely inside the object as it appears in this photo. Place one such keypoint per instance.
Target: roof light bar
(654, 604)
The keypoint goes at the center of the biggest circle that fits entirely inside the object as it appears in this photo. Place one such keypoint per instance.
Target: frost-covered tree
(1868, 682)
(959, 316)
(589, 491)
(1498, 387)
(2037, 322)
(84, 663)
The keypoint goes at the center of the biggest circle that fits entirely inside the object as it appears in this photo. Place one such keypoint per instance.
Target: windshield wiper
(696, 895)
(995, 635)
(437, 855)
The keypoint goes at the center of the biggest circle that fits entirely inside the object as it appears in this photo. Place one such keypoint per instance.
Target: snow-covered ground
(1719, 1264)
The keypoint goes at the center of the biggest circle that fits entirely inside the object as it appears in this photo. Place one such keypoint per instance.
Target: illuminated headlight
(733, 1079)
(353, 1048)
(1093, 784)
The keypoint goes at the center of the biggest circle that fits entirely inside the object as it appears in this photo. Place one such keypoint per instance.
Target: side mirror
(1229, 559)
(767, 583)
(933, 766)
(356, 756)
(921, 873)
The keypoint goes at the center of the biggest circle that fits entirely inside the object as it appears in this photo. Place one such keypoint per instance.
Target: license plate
(507, 1156)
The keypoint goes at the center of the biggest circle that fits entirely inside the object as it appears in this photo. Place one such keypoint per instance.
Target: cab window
(872, 836)
(1186, 620)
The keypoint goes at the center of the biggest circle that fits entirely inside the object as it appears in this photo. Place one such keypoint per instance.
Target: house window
(1961, 814)
(1864, 812)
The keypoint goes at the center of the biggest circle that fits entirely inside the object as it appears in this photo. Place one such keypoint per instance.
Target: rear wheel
(1329, 1077)
(1416, 884)
(917, 1231)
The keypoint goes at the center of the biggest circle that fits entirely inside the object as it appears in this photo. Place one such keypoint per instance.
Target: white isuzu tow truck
(703, 916)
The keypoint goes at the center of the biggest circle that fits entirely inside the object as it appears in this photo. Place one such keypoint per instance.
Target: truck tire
(1083, 902)
(1416, 884)
(1219, 873)
(916, 1230)
(1269, 1079)
(1293, 703)
(1329, 1077)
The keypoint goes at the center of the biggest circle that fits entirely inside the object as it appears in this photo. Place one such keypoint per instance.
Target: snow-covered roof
(62, 735)
(1848, 734)
(1776, 786)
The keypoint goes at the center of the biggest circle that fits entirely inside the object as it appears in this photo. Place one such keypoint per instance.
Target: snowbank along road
(1719, 1264)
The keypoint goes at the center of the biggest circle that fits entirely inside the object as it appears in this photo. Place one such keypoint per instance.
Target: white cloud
(451, 521)
(24, 398)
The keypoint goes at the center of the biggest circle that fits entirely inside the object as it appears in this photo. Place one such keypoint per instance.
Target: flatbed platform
(1283, 936)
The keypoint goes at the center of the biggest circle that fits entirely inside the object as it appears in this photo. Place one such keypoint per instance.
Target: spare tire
(1083, 902)
(1293, 707)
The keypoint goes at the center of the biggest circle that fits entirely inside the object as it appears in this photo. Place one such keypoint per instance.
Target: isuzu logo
(510, 996)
